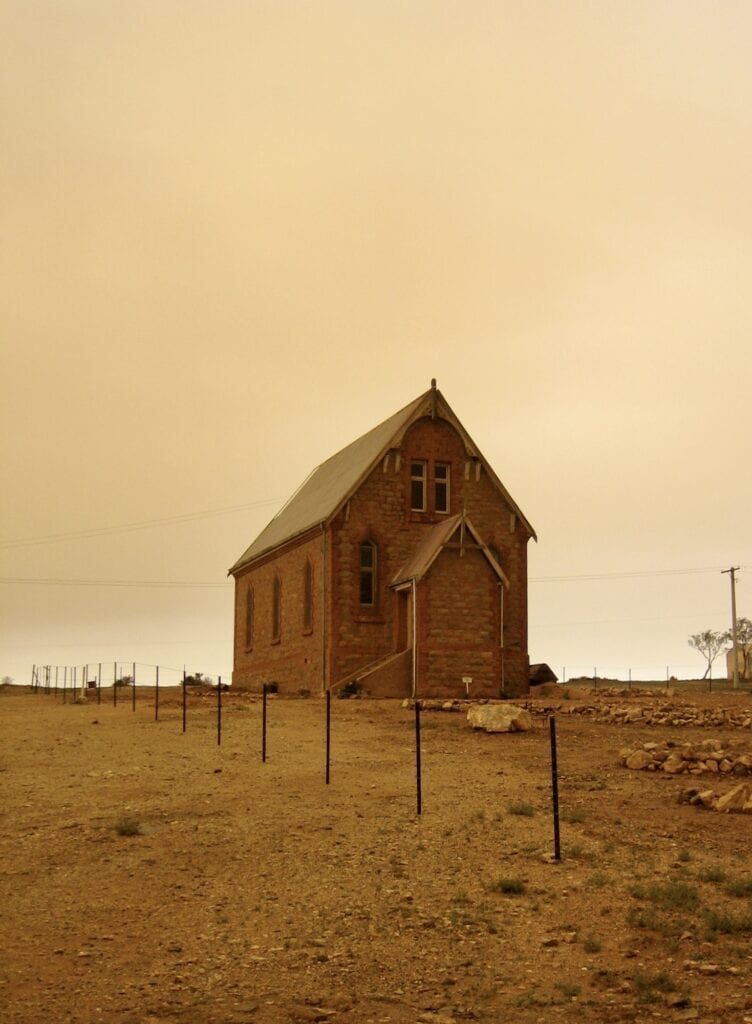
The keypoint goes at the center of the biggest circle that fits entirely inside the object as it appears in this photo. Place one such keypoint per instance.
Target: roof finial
(433, 383)
(433, 398)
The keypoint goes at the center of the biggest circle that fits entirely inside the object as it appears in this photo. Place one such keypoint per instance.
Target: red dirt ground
(256, 894)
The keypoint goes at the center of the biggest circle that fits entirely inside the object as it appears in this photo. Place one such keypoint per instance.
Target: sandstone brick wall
(295, 661)
(391, 679)
(458, 611)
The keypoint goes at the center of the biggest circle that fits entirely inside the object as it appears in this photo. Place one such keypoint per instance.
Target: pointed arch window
(276, 610)
(368, 571)
(249, 618)
(308, 597)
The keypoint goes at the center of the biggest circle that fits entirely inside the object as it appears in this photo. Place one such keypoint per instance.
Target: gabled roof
(332, 483)
(430, 547)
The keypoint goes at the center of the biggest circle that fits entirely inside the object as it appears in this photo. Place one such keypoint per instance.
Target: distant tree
(709, 644)
(743, 641)
(7, 680)
(198, 679)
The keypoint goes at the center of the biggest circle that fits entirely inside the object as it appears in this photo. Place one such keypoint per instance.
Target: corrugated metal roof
(422, 558)
(329, 486)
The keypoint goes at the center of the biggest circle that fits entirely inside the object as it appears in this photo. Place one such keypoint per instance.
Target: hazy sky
(236, 235)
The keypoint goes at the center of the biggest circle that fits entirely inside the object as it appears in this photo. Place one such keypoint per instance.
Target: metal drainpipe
(415, 639)
(501, 629)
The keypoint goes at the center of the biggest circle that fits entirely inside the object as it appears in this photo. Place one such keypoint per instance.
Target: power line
(115, 583)
(208, 584)
(103, 531)
(640, 574)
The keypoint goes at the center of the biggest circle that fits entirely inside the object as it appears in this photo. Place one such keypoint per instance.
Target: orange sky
(236, 235)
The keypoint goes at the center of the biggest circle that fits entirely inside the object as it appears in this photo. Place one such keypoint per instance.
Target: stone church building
(400, 565)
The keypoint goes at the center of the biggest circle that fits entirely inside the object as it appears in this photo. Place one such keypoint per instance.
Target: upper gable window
(418, 486)
(368, 572)
(308, 597)
(441, 486)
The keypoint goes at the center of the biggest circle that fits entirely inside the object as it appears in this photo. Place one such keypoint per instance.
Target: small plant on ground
(578, 852)
(567, 989)
(128, 827)
(713, 874)
(598, 880)
(573, 817)
(668, 895)
(649, 987)
(740, 887)
(526, 999)
(351, 689)
(509, 886)
(727, 924)
(591, 944)
(522, 809)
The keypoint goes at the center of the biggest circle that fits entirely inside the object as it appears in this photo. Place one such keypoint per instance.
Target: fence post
(555, 788)
(184, 703)
(219, 710)
(114, 685)
(418, 781)
(133, 684)
(156, 696)
(328, 731)
(263, 723)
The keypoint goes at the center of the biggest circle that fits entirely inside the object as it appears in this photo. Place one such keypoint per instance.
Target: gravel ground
(254, 893)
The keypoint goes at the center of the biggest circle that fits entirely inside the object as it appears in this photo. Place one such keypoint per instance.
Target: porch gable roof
(432, 544)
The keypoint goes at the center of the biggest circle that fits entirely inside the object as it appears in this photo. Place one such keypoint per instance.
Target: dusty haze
(238, 235)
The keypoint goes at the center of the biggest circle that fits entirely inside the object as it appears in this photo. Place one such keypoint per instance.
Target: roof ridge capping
(328, 487)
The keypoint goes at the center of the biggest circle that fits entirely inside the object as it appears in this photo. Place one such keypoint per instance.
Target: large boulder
(499, 718)
(737, 799)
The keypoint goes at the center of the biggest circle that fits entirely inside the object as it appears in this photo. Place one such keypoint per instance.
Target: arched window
(308, 596)
(249, 618)
(276, 609)
(368, 567)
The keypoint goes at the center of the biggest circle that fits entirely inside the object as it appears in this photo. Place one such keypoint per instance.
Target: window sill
(376, 619)
(308, 632)
(275, 642)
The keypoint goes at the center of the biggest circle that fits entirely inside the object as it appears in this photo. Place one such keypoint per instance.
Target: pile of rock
(706, 757)
(653, 713)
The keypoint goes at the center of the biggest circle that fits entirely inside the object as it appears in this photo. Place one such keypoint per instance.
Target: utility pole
(732, 576)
